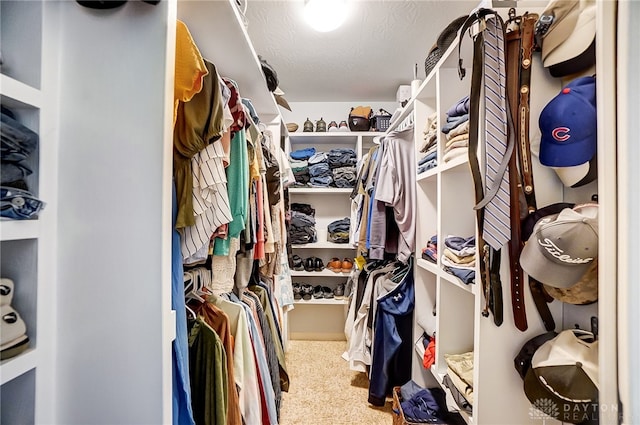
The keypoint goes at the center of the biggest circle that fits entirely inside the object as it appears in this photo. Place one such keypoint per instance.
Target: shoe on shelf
(335, 265)
(327, 292)
(307, 291)
(333, 126)
(309, 264)
(338, 292)
(307, 126)
(347, 265)
(343, 126)
(321, 126)
(318, 292)
(319, 265)
(297, 291)
(297, 263)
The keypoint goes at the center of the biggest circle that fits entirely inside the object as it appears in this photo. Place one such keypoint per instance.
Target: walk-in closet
(320, 212)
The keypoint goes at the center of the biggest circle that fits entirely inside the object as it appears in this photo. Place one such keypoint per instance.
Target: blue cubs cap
(568, 125)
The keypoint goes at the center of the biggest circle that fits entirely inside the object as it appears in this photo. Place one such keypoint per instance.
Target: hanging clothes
(182, 410)
(219, 322)
(392, 346)
(207, 365)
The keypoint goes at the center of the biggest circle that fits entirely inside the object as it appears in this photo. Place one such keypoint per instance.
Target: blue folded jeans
(17, 140)
(303, 153)
(18, 204)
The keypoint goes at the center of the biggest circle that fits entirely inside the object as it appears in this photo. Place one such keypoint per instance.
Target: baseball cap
(562, 247)
(568, 125)
(555, 23)
(569, 46)
(563, 379)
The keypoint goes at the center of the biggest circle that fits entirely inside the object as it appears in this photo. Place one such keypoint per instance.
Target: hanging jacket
(392, 345)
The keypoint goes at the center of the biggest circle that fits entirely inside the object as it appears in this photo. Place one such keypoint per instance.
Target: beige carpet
(324, 391)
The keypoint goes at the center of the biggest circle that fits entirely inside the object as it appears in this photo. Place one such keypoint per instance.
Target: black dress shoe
(309, 264)
(318, 264)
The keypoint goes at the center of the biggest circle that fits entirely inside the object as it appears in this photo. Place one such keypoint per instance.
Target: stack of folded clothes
(338, 231)
(430, 252)
(429, 145)
(18, 143)
(459, 379)
(342, 162)
(319, 170)
(302, 228)
(459, 257)
(299, 160)
(457, 130)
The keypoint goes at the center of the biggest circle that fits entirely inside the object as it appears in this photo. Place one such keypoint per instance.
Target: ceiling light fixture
(325, 15)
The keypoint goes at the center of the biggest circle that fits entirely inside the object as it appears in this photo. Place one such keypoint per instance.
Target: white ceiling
(367, 58)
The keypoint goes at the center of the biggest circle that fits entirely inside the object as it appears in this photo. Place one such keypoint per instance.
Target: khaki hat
(576, 48)
(562, 247)
(563, 15)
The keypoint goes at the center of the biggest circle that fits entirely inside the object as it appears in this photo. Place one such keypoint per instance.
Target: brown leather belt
(520, 44)
(515, 243)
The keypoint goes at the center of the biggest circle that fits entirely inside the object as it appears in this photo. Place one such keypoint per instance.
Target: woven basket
(292, 127)
(397, 413)
(446, 37)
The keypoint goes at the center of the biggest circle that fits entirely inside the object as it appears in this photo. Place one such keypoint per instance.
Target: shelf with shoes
(332, 205)
(28, 167)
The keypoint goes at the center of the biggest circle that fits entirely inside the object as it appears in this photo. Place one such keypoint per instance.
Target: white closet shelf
(320, 301)
(448, 277)
(427, 265)
(16, 94)
(323, 245)
(201, 18)
(11, 230)
(323, 273)
(454, 163)
(332, 137)
(323, 190)
(19, 365)
(427, 175)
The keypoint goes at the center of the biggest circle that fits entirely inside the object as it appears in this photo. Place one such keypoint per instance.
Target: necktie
(496, 218)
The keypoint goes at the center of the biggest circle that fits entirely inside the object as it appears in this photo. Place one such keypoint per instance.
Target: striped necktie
(497, 229)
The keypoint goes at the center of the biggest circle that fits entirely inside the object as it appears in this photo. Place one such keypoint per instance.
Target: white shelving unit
(447, 307)
(23, 243)
(103, 166)
(331, 203)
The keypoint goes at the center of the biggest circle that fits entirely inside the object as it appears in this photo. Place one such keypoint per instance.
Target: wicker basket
(446, 37)
(397, 413)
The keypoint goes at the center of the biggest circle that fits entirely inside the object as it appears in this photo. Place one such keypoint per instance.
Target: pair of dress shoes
(340, 266)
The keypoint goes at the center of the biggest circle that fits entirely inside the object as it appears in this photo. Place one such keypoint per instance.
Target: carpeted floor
(324, 391)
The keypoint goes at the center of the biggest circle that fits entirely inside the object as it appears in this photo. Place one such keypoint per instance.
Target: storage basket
(381, 121)
(397, 413)
(445, 38)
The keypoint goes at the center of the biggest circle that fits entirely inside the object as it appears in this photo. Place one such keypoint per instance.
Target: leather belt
(515, 243)
(520, 44)
(527, 25)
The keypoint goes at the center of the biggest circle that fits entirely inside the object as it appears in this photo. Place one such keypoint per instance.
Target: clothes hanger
(189, 310)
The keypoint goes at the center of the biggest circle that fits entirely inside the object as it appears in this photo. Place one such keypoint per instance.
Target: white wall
(113, 216)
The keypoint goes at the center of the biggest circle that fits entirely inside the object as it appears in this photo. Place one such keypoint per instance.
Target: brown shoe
(347, 265)
(335, 265)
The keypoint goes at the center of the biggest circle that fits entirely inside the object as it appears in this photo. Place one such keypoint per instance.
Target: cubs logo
(561, 134)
